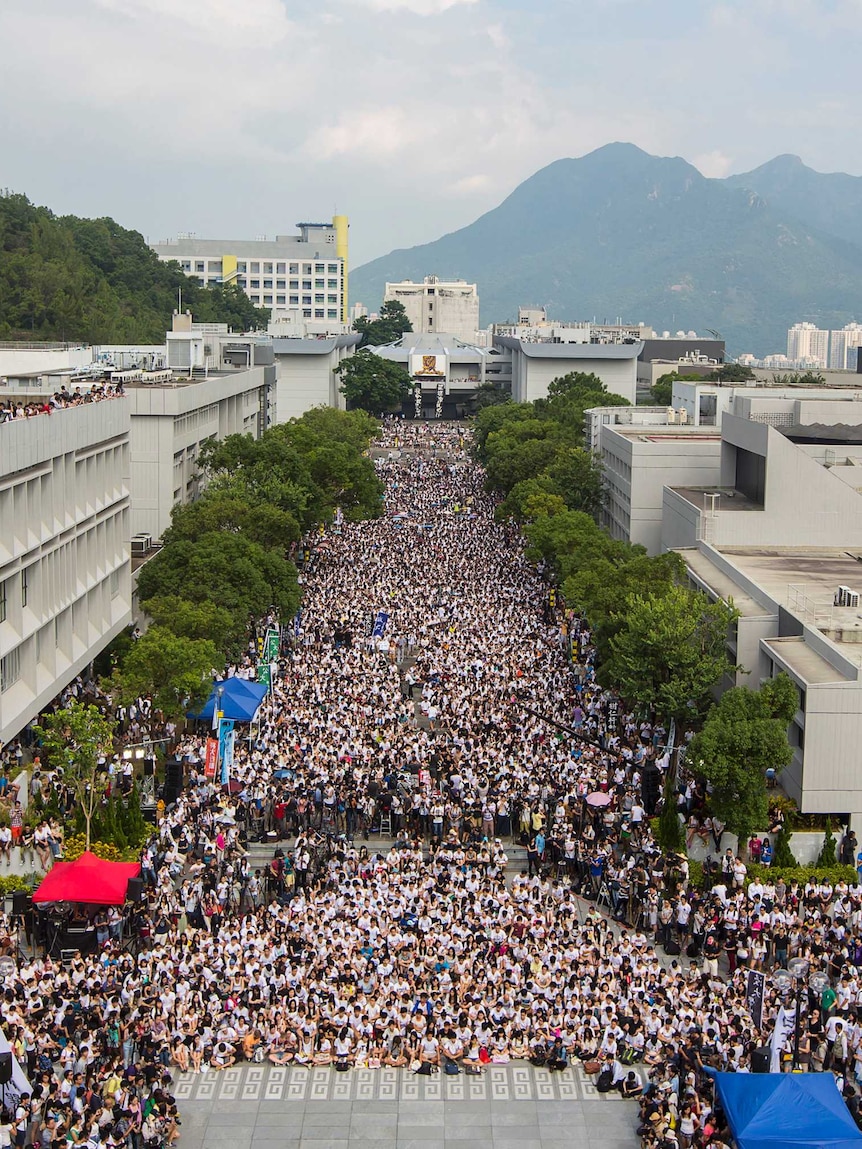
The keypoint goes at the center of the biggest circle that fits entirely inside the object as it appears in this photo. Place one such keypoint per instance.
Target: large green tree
(74, 739)
(241, 577)
(375, 384)
(744, 735)
(670, 652)
(196, 620)
(175, 672)
(390, 325)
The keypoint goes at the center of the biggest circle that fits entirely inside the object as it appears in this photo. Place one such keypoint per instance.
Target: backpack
(605, 1080)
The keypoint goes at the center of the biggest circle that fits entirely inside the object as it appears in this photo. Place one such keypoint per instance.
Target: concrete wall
(804, 506)
(23, 361)
(64, 550)
(531, 376)
(306, 381)
(168, 426)
(636, 471)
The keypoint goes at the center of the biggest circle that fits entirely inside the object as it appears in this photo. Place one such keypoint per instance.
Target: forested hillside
(70, 279)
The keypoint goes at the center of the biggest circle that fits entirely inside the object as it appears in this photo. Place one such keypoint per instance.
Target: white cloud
(470, 185)
(214, 18)
(714, 164)
(373, 133)
(417, 7)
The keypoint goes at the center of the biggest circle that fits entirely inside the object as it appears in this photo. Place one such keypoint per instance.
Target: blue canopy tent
(782, 1110)
(240, 700)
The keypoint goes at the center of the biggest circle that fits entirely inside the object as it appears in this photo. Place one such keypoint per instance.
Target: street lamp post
(795, 979)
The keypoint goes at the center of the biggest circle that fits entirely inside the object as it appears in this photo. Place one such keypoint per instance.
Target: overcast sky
(237, 118)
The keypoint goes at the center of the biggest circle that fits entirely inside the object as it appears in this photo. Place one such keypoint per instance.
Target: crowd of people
(428, 721)
(59, 400)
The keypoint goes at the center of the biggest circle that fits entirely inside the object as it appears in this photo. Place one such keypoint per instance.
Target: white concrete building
(532, 366)
(789, 620)
(807, 345)
(441, 367)
(437, 307)
(170, 422)
(305, 372)
(64, 550)
(306, 272)
(638, 462)
(843, 347)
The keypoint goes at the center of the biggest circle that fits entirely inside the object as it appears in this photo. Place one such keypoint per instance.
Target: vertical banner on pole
(211, 758)
(754, 989)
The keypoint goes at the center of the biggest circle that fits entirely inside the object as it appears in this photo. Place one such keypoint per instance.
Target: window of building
(319, 284)
(214, 266)
(318, 269)
(281, 284)
(200, 265)
(332, 299)
(307, 313)
(332, 269)
(332, 284)
(10, 669)
(332, 313)
(280, 299)
(25, 586)
(306, 269)
(3, 606)
(115, 583)
(242, 282)
(267, 299)
(255, 267)
(318, 313)
(294, 285)
(186, 265)
(267, 269)
(280, 268)
(294, 269)
(255, 283)
(306, 299)
(241, 265)
(318, 299)
(268, 283)
(306, 285)
(294, 299)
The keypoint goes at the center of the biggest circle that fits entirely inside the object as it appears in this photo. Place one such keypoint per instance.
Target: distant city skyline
(240, 119)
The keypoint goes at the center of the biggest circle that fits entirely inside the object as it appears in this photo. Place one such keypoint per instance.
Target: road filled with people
(434, 721)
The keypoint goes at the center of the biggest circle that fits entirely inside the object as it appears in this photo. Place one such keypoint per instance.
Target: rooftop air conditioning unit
(141, 544)
(844, 596)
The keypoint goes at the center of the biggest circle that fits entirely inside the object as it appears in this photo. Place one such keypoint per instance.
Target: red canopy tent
(89, 880)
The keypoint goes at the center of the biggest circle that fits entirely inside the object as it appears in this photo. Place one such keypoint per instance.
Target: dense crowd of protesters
(455, 730)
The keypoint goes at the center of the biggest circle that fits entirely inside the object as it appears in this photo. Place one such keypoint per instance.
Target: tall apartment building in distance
(65, 580)
(435, 307)
(305, 274)
(844, 346)
(807, 345)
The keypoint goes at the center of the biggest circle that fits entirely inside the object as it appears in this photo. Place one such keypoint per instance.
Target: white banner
(19, 1083)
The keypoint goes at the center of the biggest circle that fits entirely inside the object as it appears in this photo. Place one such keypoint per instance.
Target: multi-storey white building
(435, 307)
(807, 344)
(843, 347)
(64, 550)
(305, 273)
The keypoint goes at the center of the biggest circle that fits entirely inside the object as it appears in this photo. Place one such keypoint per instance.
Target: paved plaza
(509, 1107)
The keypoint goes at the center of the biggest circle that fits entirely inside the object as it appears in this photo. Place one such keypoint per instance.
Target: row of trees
(67, 278)
(661, 645)
(225, 559)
